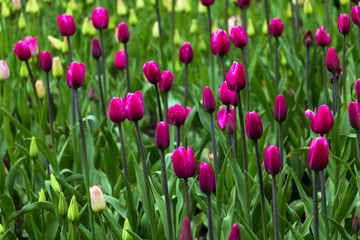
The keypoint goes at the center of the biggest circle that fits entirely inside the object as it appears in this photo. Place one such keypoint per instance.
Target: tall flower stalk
(165, 86)
(153, 75)
(344, 29)
(173, 33)
(308, 41)
(186, 55)
(211, 55)
(267, 22)
(176, 116)
(333, 65)
(96, 52)
(124, 37)
(220, 45)
(276, 28)
(354, 119)
(280, 113)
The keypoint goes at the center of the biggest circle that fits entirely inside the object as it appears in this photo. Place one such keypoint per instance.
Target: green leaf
(36, 206)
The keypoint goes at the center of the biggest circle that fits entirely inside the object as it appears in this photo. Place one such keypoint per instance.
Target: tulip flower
(276, 28)
(40, 90)
(308, 41)
(186, 56)
(354, 119)
(235, 232)
(333, 65)
(356, 225)
(96, 49)
(32, 43)
(96, 53)
(357, 88)
(176, 115)
(222, 116)
(254, 128)
(100, 18)
(207, 2)
(120, 60)
(73, 212)
(355, 16)
(227, 97)
(165, 85)
(344, 29)
(45, 61)
(62, 206)
(208, 100)
(66, 25)
(322, 121)
(220, 45)
(235, 78)
(57, 68)
(186, 233)
(4, 71)
(280, 113)
(75, 75)
(323, 39)
(125, 234)
(16, 4)
(97, 199)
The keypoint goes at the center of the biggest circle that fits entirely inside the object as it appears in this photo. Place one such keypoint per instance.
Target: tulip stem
(158, 101)
(293, 25)
(261, 186)
(63, 232)
(211, 55)
(276, 65)
(50, 113)
(275, 208)
(102, 226)
(358, 142)
(159, 20)
(267, 22)
(166, 103)
(213, 140)
(244, 20)
(42, 224)
(244, 153)
(69, 49)
(297, 17)
(324, 75)
(33, 84)
(226, 14)
(186, 86)
(178, 134)
(344, 70)
(357, 235)
(307, 74)
(187, 200)
(327, 15)
(211, 230)
(323, 199)
(281, 149)
(223, 67)
(100, 89)
(103, 60)
(166, 193)
(173, 33)
(123, 152)
(335, 94)
(359, 34)
(33, 175)
(127, 68)
(247, 87)
(73, 231)
(316, 211)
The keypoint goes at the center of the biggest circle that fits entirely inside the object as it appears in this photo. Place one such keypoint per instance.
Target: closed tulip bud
(201, 8)
(176, 115)
(140, 4)
(184, 163)
(354, 115)
(235, 78)
(121, 8)
(40, 90)
(32, 7)
(344, 24)
(42, 197)
(33, 148)
(177, 37)
(288, 11)
(92, 30)
(32, 43)
(63, 206)
(116, 111)
(125, 235)
(254, 127)
(152, 72)
(355, 14)
(276, 27)
(97, 199)
(2, 231)
(220, 44)
(250, 28)
(206, 178)
(73, 212)
(134, 106)
(100, 18)
(186, 53)
(75, 75)
(322, 121)
(5, 11)
(355, 224)
(123, 32)
(66, 25)
(85, 26)
(45, 61)
(227, 97)
(235, 233)
(57, 68)
(357, 88)
(156, 33)
(207, 2)
(166, 82)
(120, 60)
(16, 4)
(264, 28)
(4, 71)
(280, 111)
(22, 21)
(307, 7)
(132, 18)
(318, 154)
(54, 183)
(162, 138)
(96, 49)
(22, 51)
(65, 47)
(193, 26)
(308, 39)
(186, 233)
(208, 100)
(332, 60)
(24, 73)
(344, 2)
(238, 37)
(243, 3)
(321, 37)
(230, 123)
(272, 160)
(56, 43)
(92, 95)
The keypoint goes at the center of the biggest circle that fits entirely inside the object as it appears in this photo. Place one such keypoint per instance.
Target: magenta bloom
(184, 163)
(318, 154)
(120, 60)
(100, 18)
(235, 78)
(187, 111)
(227, 97)
(206, 178)
(134, 106)
(354, 114)
(176, 115)
(123, 32)
(96, 49)
(357, 88)
(66, 25)
(355, 14)
(223, 115)
(280, 110)
(272, 160)
(332, 60)
(238, 36)
(32, 43)
(276, 27)
(4, 71)
(75, 75)
(45, 61)
(22, 51)
(235, 232)
(207, 2)
(254, 127)
(322, 38)
(152, 72)
(186, 233)
(220, 43)
(308, 39)
(355, 224)
(344, 23)
(166, 82)
(243, 3)
(162, 138)
(322, 121)
(208, 100)
(186, 53)
(116, 111)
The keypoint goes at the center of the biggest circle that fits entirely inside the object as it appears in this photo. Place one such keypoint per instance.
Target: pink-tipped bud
(332, 60)
(206, 178)
(186, 53)
(254, 127)
(100, 18)
(318, 154)
(355, 224)
(166, 82)
(208, 100)
(162, 138)
(97, 199)
(4, 71)
(184, 163)
(96, 49)
(272, 160)
(238, 37)
(66, 25)
(120, 60)
(280, 111)
(123, 33)
(276, 27)
(45, 61)
(176, 115)
(186, 233)
(344, 23)
(32, 43)
(227, 97)
(357, 88)
(308, 39)
(220, 43)
(355, 14)
(92, 96)
(134, 106)
(152, 72)
(22, 51)
(235, 232)
(243, 3)
(322, 121)
(116, 111)
(354, 114)
(75, 75)
(322, 38)
(235, 77)
(207, 2)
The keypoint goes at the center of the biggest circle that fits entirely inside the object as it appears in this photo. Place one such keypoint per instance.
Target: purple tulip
(332, 60)
(230, 123)
(276, 27)
(184, 163)
(100, 18)
(166, 82)
(354, 115)
(322, 38)
(186, 53)
(123, 33)
(344, 23)
(235, 78)
(186, 233)
(32, 43)
(227, 97)
(308, 39)
(238, 36)
(355, 14)
(176, 115)
(116, 111)
(355, 224)
(272, 161)
(96, 49)
(322, 121)
(45, 61)
(280, 111)
(220, 44)
(207, 2)
(318, 154)
(243, 3)
(152, 72)
(66, 25)
(75, 75)
(208, 100)
(22, 51)
(254, 128)
(134, 106)
(235, 232)
(162, 138)
(206, 178)
(120, 60)
(357, 88)
(223, 115)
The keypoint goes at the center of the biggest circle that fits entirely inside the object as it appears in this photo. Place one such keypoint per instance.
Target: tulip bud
(238, 37)
(166, 82)
(85, 26)
(207, 2)
(254, 128)
(62, 207)
(56, 43)
(33, 148)
(176, 115)
(235, 78)
(24, 73)
(4, 71)
(140, 4)
(208, 100)
(355, 224)
(206, 178)
(152, 72)
(355, 14)
(119, 60)
(201, 8)
(321, 37)
(332, 60)
(308, 39)
(2, 231)
(75, 75)
(193, 26)
(220, 44)
(97, 199)
(125, 234)
(116, 111)
(16, 5)
(22, 51)
(227, 97)
(354, 115)
(264, 28)
(357, 88)
(57, 68)
(54, 183)
(235, 233)
(45, 61)
(32, 7)
(40, 90)
(276, 27)
(73, 211)
(307, 7)
(280, 111)
(344, 24)
(121, 8)
(71, 7)
(156, 33)
(184, 163)
(123, 33)
(272, 160)
(250, 28)
(132, 18)
(186, 233)
(22, 21)
(32, 43)
(318, 154)
(92, 96)
(65, 47)
(243, 3)
(5, 11)
(186, 53)
(230, 123)
(162, 138)
(100, 18)
(134, 106)
(322, 121)
(96, 49)
(66, 25)
(344, 2)
(42, 197)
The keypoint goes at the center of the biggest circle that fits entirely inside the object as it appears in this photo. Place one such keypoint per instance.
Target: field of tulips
(179, 119)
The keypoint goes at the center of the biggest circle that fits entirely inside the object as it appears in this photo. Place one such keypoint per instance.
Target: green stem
(267, 22)
(166, 102)
(293, 25)
(211, 230)
(335, 94)
(166, 193)
(275, 208)
(281, 149)
(158, 101)
(33, 175)
(50, 113)
(178, 134)
(186, 86)
(103, 59)
(358, 142)
(173, 33)
(127, 68)
(63, 232)
(307, 74)
(102, 226)
(223, 67)
(316, 211)
(276, 65)
(244, 20)
(73, 231)
(344, 71)
(323, 199)
(100, 89)
(123, 152)
(33, 84)
(69, 49)
(211, 55)
(42, 224)
(247, 87)
(213, 140)
(187, 200)
(226, 14)
(327, 15)
(324, 75)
